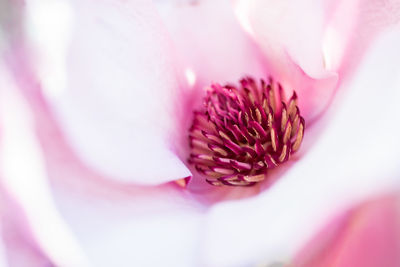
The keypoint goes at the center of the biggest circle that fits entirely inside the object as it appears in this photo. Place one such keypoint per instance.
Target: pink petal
(25, 193)
(329, 38)
(109, 75)
(368, 235)
(20, 247)
(290, 35)
(210, 41)
(351, 27)
(281, 27)
(354, 158)
(2, 254)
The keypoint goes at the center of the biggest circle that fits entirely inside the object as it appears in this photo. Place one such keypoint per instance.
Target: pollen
(244, 131)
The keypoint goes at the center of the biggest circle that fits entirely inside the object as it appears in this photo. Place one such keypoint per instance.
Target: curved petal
(210, 41)
(25, 187)
(20, 247)
(289, 33)
(367, 235)
(356, 156)
(109, 75)
(329, 37)
(351, 27)
(135, 229)
(281, 27)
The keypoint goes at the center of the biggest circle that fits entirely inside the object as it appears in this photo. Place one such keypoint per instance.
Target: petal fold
(25, 189)
(110, 78)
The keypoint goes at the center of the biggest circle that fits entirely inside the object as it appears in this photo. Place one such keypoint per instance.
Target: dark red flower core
(244, 131)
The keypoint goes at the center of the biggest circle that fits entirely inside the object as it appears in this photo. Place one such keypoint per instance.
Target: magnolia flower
(105, 99)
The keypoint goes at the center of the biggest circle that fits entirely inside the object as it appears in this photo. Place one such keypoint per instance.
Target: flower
(110, 89)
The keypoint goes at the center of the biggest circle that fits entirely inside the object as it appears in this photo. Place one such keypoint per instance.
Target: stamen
(244, 131)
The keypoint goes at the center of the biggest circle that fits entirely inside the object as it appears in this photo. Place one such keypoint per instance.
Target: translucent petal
(109, 75)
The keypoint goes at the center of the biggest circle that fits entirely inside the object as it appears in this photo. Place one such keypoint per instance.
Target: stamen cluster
(243, 131)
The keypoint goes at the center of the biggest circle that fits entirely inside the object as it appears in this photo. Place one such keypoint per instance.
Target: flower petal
(210, 41)
(289, 35)
(285, 27)
(20, 247)
(356, 156)
(2, 253)
(350, 28)
(329, 39)
(372, 227)
(23, 179)
(110, 77)
(160, 229)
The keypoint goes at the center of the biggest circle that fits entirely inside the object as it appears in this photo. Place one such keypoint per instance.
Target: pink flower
(107, 90)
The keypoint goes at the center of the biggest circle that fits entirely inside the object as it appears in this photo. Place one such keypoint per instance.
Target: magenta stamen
(244, 131)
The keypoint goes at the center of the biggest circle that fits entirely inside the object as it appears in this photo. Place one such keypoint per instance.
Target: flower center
(241, 132)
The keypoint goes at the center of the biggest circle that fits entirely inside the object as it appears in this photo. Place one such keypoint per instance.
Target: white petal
(286, 27)
(289, 34)
(210, 41)
(138, 229)
(108, 72)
